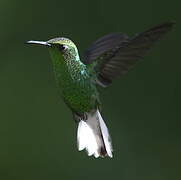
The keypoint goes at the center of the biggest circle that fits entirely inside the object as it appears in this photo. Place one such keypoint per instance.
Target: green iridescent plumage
(78, 79)
(75, 80)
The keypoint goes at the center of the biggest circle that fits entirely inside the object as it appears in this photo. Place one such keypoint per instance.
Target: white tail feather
(93, 136)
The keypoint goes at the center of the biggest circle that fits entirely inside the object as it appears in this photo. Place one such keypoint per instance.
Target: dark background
(37, 134)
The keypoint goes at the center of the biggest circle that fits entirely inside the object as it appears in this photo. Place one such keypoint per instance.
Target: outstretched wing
(114, 54)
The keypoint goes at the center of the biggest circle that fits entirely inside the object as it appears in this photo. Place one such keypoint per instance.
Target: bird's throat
(67, 70)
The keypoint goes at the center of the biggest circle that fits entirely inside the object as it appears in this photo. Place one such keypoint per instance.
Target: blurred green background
(142, 109)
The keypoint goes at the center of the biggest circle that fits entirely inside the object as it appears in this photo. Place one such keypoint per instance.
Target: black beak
(44, 43)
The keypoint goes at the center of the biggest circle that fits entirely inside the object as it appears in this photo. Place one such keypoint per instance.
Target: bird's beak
(44, 43)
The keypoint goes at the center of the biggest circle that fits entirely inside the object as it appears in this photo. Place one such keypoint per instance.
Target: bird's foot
(80, 116)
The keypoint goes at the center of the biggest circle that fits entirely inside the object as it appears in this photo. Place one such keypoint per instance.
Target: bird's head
(59, 46)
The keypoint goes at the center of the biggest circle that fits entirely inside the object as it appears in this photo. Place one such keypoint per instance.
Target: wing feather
(116, 53)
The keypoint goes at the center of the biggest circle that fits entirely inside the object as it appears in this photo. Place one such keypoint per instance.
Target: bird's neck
(66, 69)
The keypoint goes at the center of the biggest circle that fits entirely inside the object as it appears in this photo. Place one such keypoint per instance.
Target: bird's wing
(114, 54)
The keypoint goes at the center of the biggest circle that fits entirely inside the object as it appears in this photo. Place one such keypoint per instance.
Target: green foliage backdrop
(142, 109)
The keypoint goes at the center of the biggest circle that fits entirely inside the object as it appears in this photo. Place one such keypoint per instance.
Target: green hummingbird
(78, 78)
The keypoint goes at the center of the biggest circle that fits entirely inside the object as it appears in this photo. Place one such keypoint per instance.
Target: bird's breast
(77, 90)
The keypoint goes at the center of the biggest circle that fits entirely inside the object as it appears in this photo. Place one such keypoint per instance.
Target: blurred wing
(102, 45)
(115, 54)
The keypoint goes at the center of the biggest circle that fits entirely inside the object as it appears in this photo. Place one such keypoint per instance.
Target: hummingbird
(79, 77)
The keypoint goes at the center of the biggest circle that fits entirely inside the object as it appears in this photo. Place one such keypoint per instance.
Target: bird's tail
(93, 136)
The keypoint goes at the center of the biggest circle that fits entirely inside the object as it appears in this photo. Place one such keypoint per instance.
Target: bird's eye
(62, 47)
